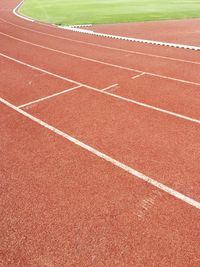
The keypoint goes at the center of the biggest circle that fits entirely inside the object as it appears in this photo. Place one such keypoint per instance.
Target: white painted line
(109, 87)
(102, 46)
(18, 15)
(102, 62)
(50, 96)
(107, 158)
(104, 92)
(137, 76)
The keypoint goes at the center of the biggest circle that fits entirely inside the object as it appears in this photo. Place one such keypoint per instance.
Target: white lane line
(102, 62)
(50, 96)
(137, 76)
(107, 158)
(109, 87)
(104, 92)
(101, 46)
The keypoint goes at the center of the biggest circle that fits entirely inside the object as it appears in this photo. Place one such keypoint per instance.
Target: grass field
(109, 11)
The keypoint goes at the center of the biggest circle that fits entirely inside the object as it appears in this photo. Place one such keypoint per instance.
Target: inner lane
(156, 144)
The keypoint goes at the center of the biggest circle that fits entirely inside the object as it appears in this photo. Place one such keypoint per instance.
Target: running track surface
(94, 132)
(175, 31)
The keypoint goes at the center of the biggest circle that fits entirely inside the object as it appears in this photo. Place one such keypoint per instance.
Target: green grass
(109, 11)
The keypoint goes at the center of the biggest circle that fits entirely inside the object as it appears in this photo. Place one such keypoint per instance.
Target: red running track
(130, 107)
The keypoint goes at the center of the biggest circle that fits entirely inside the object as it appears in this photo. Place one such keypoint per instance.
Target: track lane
(74, 68)
(57, 213)
(169, 95)
(156, 144)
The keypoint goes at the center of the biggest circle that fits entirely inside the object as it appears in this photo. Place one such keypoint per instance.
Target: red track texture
(62, 205)
(174, 31)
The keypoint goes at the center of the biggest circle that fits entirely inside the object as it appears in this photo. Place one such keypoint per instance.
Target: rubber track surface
(64, 206)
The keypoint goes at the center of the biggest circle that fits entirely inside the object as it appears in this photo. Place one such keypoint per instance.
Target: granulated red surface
(174, 31)
(62, 205)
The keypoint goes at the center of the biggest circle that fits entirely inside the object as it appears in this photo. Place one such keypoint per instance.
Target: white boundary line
(107, 158)
(197, 48)
(101, 46)
(50, 96)
(104, 92)
(109, 87)
(102, 62)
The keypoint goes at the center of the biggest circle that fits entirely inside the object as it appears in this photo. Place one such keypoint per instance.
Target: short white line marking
(137, 76)
(102, 62)
(104, 92)
(50, 96)
(113, 161)
(101, 46)
(109, 87)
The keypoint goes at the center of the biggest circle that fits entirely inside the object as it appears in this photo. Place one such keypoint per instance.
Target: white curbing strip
(197, 48)
(79, 25)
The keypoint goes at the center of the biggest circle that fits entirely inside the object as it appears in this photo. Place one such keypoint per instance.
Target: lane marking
(101, 46)
(137, 76)
(102, 62)
(104, 92)
(107, 158)
(49, 96)
(109, 87)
